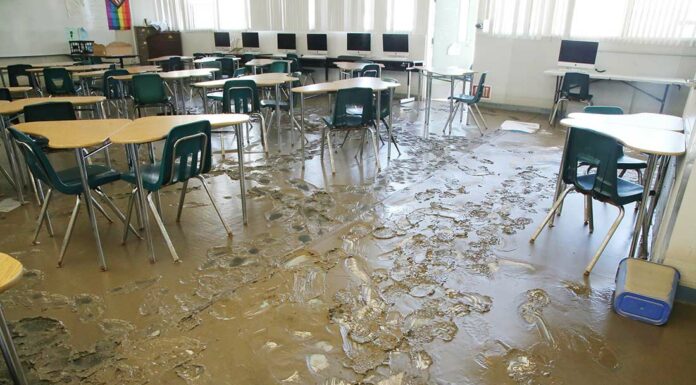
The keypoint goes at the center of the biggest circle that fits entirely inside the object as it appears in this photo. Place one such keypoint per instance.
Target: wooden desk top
(261, 80)
(143, 69)
(124, 56)
(643, 119)
(206, 59)
(376, 84)
(50, 64)
(68, 134)
(90, 67)
(445, 71)
(646, 140)
(154, 128)
(165, 58)
(11, 271)
(188, 73)
(19, 89)
(264, 62)
(17, 106)
(354, 66)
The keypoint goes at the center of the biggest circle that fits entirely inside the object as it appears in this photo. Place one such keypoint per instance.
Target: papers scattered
(513, 125)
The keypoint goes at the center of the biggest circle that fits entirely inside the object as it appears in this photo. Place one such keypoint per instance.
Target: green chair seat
(271, 103)
(468, 99)
(150, 174)
(217, 96)
(347, 121)
(627, 192)
(97, 175)
(629, 163)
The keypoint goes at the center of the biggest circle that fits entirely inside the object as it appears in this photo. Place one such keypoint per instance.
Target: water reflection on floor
(418, 274)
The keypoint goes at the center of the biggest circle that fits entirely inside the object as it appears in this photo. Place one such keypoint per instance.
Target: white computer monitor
(578, 54)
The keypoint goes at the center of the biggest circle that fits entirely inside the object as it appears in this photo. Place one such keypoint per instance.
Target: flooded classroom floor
(421, 273)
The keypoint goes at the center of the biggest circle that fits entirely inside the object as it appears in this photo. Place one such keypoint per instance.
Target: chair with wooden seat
(467, 101)
(67, 182)
(59, 82)
(11, 271)
(575, 87)
(625, 162)
(149, 91)
(353, 109)
(601, 152)
(186, 155)
(17, 72)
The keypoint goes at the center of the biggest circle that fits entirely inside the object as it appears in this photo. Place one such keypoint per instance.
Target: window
(312, 14)
(368, 14)
(189, 15)
(636, 21)
(401, 15)
(464, 20)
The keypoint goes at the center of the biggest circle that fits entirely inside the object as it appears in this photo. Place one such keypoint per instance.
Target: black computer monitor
(359, 42)
(222, 39)
(392, 42)
(316, 42)
(580, 54)
(286, 41)
(250, 39)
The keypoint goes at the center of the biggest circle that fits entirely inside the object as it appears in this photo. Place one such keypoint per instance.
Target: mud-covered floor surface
(419, 274)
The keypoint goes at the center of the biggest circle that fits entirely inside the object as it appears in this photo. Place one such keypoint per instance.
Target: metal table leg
(12, 159)
(89, 205)
(277, 100)
(428, 102)
(659, 182)
(302, 128)
(378, 123)
(132, 150)
(560, 186)
(240, 156)
(10, 353)
(652, 162)
(391, 125)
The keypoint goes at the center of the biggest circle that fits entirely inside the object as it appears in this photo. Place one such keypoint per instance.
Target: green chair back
(240, 96)
(110, 87)
(239, 72)
(173, 64)
(213, 64)
(5, 94)
(187, 153)
(198, 55)
(385, 98)
(350, 100)
(576, 85)
(479, 89)
(248, 57)
(49, 111)
(295, 66)
(95, 60)
(148, 89)
(279, 67)
(59, 82)
(604, 110)
(39, 165)
(226, 66)
(587, 147)
(370, 71)
(17, 71)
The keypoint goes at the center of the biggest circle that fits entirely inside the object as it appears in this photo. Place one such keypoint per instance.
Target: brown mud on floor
(420, 274)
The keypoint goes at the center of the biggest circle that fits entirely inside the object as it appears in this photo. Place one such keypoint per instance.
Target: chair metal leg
(182, 197)
(393, 139)
(323, 141)
(116, 211)
(550, 214)
(68, 233)
(483, 120)
(375, 148)
(9, 352)
(589, 217)
(603, 246)
(49, 224)
(473, 115)
(42, 216)
(222, 145)
(331, 155)
(217, 210)
(163, 230)
(129, 212)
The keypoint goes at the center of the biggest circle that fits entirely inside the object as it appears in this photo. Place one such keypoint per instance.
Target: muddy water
(420, 274)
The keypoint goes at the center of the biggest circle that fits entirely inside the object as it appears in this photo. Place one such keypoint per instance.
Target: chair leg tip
(586, 273)
(532, 240)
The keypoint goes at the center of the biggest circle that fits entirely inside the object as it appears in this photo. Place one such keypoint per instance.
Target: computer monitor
(222, 39)
(359, 42)
(392, 42)
(250, 39)
(578, 54)
(316, 42)
(286, 41)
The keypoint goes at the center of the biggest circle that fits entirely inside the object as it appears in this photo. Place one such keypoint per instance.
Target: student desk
(377, 85)
(38, 65)
(629, 80)
(85, 77)
(17, 107)
(178, 77)
(255, 63)
(657, 137)
(161, 59)
(449, 74)
(349, 68)
(78, 135)
(120, 58)
(20, 90)
(155, 128)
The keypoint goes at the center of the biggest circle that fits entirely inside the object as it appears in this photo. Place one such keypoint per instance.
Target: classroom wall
(516, 72)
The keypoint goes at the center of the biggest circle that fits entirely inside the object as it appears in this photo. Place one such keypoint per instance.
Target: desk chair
(5, 94)
(216, 65)
(16, 72)
(600, 151)
(11, 271)
(67, 182)
(241, 97)
(297, 67)
(148, 91)
(227, 67)
(625, 162)
(353, 109)
(239, 72)
(468, 101)
(370, 71)
(198, 55)
(186, 155)
(173, 64)
(574, 88)
(247, 57)
(384, 102)
(59, 82)
(111, 90)
(270, 104)
(279, 67)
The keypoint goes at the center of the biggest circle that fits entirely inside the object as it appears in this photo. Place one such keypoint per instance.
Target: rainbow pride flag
(118, 14)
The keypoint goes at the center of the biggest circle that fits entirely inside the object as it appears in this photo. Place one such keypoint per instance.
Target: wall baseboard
(516, 108)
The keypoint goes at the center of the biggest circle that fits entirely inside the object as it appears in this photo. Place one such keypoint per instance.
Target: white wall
(516, 69)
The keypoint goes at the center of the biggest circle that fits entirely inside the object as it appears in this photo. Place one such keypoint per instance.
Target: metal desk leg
(560, 186)
(277, 100)
(14, 365)
(88, 204)
(420, 86)
(302, 129)
(240, 156)
(378, 122)
(13, 160)
(652, 161)
(182, 90)
(659, 182)
(391, 125)
(132, 150)
(664, 98)
(428, 102)
(205, 101)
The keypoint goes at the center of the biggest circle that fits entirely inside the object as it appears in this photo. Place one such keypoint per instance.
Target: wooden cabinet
(151, 43)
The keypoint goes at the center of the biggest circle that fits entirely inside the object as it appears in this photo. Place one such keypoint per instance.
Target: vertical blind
(669, 22)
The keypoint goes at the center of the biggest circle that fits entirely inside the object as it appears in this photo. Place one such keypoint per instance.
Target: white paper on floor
(513, 125)
(8, 204)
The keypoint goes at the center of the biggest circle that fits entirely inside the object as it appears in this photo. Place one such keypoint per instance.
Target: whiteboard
(39, 27)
